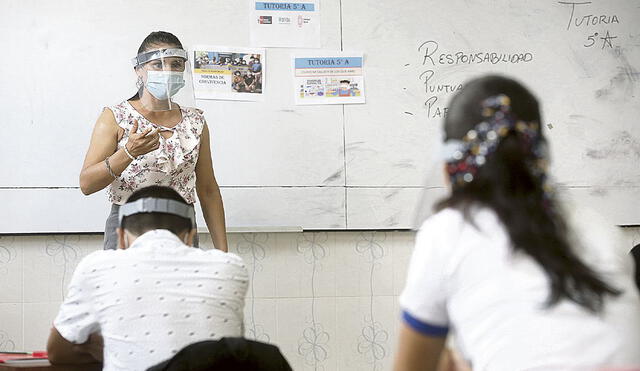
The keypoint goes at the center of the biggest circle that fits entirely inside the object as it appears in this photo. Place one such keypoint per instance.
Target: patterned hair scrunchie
(464, 157)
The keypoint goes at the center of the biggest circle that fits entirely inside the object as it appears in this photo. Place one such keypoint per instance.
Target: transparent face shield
(435, 183)
(164, 79)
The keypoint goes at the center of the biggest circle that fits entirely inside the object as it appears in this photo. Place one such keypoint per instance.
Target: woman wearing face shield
(149, 139)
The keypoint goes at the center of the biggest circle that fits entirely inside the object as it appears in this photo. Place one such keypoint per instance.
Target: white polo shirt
(470, 280)
(152, 299)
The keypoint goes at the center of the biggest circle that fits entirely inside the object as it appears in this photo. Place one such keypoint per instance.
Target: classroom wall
(329, 300)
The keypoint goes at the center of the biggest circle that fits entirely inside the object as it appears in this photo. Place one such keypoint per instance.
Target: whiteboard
(589, 95)
(328, 167)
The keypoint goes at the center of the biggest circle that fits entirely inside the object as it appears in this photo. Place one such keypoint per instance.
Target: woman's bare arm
(209, 194)
(94, 175)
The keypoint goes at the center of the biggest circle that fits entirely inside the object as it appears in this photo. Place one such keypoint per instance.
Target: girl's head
(465, 110)
(494, 141)
(496, 157)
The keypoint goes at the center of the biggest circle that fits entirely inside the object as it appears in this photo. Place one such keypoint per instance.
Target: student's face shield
(165, 79)
(435, 184)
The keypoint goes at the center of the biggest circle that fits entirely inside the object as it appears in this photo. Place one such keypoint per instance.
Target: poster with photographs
(335, 79)
(229, 73)
(285, 24)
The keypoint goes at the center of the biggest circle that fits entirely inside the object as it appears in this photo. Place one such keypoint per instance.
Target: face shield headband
(145, 57)
(157, 205)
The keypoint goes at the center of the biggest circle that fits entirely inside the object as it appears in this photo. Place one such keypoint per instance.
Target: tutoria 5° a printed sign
(328, 80)
(285, 24)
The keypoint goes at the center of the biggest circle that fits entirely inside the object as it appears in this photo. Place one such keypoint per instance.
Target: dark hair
(157, 38)
(506, 184)
(153, 41)
(144, 222)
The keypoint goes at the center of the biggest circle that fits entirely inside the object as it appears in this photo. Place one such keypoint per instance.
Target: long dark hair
(153, 40)
(506, 184)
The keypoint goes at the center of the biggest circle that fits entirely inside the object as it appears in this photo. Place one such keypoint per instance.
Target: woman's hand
(94, 175)
(144, 142)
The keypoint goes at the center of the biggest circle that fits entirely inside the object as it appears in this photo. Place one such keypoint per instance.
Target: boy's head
(156, 207)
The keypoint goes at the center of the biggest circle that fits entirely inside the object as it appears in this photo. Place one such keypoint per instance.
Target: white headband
(157, 205)
(145, 57)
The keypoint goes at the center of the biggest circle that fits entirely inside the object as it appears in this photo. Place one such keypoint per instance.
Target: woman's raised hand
(143, 142)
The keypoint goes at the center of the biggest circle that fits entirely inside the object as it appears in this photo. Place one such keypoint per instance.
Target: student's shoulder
(449, 229)
(230, 259)
(474, 219)
(443, 220)
(440, 230)
(98, 259)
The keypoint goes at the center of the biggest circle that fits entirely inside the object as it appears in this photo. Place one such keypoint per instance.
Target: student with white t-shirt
(497, 264)
(142, 303)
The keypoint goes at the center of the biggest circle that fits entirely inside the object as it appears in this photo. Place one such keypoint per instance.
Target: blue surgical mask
(161, 83)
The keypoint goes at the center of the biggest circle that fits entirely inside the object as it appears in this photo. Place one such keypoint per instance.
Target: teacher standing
(151, 140)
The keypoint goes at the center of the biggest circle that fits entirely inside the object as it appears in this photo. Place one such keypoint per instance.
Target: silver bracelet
(106, 161)
(127, 152)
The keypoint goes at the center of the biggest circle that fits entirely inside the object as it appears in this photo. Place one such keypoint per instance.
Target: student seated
(154, 295)
(497, 262)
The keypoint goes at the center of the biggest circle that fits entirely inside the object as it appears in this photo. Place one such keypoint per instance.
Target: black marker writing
(573, 8)
(429, 103)
(591, 38)
(434, 111)
(606, 40)
(589, 19)
(428, 46)
(427, 75)
(483, 57)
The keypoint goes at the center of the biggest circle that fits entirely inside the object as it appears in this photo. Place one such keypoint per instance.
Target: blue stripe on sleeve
(423, 327)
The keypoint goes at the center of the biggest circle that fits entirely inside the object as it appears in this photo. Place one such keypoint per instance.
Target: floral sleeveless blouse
(173, 164)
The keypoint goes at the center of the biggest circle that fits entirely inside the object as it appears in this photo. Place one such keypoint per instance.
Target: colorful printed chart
(328, 79)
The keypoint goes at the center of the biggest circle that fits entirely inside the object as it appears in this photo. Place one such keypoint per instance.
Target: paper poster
(328, 79)
(221, 72)
(285, 24)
